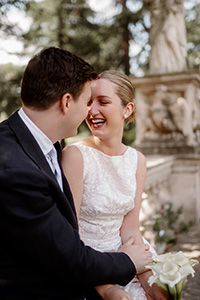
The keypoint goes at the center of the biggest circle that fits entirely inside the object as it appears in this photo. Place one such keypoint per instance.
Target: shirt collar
(43, 141)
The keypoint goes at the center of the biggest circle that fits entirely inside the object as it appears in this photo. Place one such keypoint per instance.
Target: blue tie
(55, 166)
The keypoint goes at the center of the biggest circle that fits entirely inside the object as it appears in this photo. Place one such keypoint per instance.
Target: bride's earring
(125, 116)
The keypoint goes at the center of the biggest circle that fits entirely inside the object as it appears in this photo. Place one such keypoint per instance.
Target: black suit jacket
(41, 254)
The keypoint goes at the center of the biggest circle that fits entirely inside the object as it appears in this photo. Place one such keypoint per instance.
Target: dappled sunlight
(192, 254)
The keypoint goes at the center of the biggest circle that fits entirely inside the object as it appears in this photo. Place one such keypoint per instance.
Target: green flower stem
(180, 285)
(176, 296)
(179, 296)
(172, 292)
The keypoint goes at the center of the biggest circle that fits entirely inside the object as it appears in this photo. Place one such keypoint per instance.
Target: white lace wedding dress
(109, 191)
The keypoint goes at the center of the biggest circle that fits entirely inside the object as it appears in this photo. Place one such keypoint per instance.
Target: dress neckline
(106, 155)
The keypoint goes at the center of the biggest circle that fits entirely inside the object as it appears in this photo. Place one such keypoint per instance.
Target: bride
(107, 179)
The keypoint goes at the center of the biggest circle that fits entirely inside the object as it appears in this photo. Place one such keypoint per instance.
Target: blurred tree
(130, 25)
(7, 27)
(10, 77)
(120, 42)
(67, 24)
(193, 34)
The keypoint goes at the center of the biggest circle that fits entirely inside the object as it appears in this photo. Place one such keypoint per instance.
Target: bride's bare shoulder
(88, 142)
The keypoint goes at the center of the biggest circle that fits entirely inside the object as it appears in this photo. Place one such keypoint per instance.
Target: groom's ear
(64, 102)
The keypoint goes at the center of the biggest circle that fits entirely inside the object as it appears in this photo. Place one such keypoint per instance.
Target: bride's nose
(94, 108)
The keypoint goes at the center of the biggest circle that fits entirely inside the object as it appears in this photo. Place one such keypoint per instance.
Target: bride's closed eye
(104, 102)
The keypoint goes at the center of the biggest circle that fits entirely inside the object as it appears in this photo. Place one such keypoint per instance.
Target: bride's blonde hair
(124, 88)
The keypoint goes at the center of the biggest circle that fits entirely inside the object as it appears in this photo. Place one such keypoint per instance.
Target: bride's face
(106, 113)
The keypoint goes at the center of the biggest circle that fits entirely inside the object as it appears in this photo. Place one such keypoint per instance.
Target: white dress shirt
(43, 141)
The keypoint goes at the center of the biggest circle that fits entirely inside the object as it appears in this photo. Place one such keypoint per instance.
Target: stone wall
(175, 179)
(168, 113)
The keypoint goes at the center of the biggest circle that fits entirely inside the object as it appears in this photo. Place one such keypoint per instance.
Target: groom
(41, 254)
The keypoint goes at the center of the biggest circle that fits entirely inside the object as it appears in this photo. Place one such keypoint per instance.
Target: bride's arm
(130, 227)
(72, 163)
(112, 292)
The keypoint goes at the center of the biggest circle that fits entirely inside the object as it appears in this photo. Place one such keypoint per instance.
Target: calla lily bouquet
(170, 272)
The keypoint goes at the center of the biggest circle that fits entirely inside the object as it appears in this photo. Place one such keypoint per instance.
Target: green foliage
(130, 25)
(168, 225)
(104, 43)
(193, 34)
(10, 77)
(129, 133)
(63, 23)
(72, 25)
(7, 27)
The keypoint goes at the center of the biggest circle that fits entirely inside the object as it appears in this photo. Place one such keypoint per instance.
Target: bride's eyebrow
(103, 96)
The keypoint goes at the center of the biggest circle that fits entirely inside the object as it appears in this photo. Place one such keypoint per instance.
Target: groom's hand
(139, 254)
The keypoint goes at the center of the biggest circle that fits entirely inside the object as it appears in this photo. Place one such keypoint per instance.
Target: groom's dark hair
(52, 73)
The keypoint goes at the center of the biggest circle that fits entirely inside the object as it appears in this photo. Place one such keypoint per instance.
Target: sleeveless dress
(108, 195)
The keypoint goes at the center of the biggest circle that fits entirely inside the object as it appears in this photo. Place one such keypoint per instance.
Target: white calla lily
(156, 267)
(180, 259)
(169, 268)
(162, 257)
(152, 279)
(171, 271)
(171, 280)
(187, 270)
(193, 262)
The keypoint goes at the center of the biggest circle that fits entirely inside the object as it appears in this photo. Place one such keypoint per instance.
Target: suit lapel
(32, 149)
(29, 144)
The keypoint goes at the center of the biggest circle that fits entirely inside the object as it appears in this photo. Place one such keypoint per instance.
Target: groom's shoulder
(6, 124)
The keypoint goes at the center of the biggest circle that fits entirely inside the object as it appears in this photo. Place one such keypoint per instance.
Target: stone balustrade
(172, 178)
